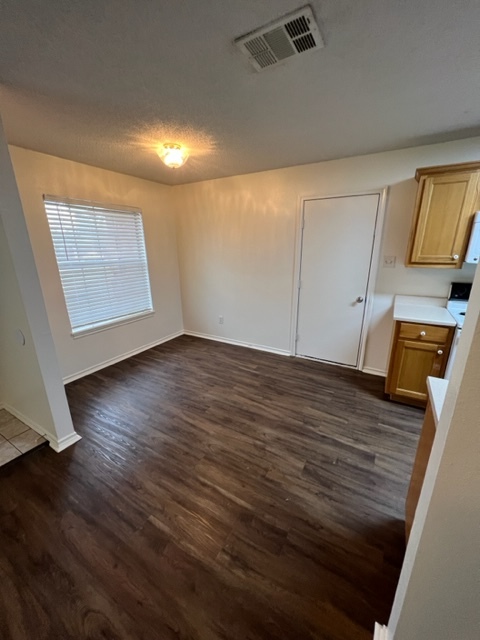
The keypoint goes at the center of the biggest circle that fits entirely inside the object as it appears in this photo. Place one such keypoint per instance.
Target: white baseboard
(196, 334)
(28, 421)
(381, 632)
(123, 356)
(57, 445)
(375, 372)
(238, 343)
(66, 441)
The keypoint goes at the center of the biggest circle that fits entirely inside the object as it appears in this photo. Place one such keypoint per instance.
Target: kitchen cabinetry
(418, 351)
(419, 468)
(437, 392)
(447, 198)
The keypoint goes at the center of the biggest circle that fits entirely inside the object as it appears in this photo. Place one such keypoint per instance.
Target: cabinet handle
(423, 333)
(455, 257)
(440, 352)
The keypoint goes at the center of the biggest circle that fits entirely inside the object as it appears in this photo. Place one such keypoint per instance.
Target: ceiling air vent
(293, 34)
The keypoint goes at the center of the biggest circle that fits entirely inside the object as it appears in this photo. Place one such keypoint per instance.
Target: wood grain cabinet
(419, 468)
(447, 198)
(418, 351)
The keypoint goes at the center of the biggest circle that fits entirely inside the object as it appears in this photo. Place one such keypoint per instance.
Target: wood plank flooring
(218, 493)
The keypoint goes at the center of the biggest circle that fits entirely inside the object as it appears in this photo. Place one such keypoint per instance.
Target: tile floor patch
(15, 437)
(27, 441)
(12, 428)
(7, 452)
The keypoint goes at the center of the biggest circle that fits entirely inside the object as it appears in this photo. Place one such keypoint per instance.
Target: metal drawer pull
(440, 352)
(423, 333)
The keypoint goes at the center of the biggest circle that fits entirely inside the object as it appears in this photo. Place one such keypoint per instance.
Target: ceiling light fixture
(173, 155)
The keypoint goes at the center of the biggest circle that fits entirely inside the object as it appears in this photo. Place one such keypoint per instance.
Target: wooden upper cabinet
(447, 199)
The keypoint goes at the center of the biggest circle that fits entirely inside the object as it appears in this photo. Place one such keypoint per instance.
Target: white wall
(237, 244)
(237, 239)
(31, 385)
(21, 383)
(439, 588)
(39, 174)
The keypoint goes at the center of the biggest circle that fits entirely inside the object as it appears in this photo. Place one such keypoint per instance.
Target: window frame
(95, 207)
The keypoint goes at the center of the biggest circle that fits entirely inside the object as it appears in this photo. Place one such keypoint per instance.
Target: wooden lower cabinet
(419, 468)
(418, 351)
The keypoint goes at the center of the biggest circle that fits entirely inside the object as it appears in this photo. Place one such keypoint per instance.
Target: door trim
(382, 192)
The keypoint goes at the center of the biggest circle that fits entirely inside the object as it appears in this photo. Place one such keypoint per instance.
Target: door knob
(359, 299)
(455, 257)
(440, 352)
(423, 333)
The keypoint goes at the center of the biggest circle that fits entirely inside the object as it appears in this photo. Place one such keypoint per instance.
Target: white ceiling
(103, 82)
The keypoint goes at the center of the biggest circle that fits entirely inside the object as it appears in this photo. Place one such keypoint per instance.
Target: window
(100, 251)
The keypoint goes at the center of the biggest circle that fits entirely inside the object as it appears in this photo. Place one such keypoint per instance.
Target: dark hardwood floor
(218, 493)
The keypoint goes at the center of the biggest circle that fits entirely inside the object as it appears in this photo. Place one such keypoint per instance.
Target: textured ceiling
(104, 82)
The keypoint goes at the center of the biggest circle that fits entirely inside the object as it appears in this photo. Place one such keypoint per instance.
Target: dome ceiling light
(173, 155)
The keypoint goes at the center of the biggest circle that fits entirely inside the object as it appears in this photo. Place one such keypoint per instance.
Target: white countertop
(423, 310)
(437, 390)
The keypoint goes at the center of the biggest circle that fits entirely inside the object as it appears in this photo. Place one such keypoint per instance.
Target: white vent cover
(293, 34)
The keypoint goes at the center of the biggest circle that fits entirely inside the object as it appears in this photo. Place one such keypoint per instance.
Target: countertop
(437, 390)
(423, 310)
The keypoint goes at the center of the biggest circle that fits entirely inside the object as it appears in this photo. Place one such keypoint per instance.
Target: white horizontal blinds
(101, 257)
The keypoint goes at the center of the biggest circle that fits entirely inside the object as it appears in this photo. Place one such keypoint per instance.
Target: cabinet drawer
(424, 332)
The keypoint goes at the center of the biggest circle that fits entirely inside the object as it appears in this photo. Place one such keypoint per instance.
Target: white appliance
(473, 252)
(457, 307)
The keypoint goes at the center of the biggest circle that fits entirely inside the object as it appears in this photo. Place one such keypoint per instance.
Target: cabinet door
(444, 210)
(413, 362)
(419, 468)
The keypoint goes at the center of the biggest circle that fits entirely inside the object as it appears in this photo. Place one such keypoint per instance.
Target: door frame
(382, 192)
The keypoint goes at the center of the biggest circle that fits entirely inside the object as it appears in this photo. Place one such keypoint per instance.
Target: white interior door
(337, 245)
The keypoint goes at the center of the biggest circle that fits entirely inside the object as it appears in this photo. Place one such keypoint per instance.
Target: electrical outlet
(389, 262)
(220, 319)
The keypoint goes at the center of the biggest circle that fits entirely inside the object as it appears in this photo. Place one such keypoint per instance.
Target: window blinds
(100, 251)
